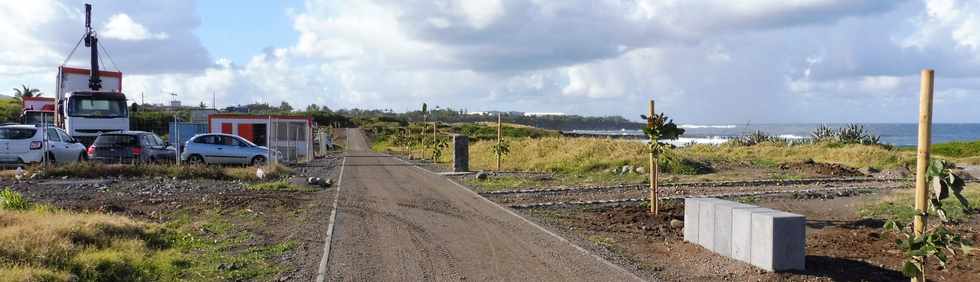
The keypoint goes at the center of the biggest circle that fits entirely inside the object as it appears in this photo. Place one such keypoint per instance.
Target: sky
(702, 61)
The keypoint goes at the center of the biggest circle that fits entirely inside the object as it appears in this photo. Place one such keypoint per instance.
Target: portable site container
(291, 135)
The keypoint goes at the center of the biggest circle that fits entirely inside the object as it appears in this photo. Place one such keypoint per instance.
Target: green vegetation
(280, 185)
(26, 91)
(10, 200)
(899, 206)
(488, 131)
(850, 134)
(221, 250)
(51, 245)
(10, 110)
(585, 155)
(602, 241)
(957, 149)
(44, 244)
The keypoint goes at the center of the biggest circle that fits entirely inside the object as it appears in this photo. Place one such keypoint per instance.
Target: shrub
(10, 200)
(756, 138)
(850, 134)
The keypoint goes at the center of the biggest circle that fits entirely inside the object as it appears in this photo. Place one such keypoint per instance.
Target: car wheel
(258, 160)
(195, 159)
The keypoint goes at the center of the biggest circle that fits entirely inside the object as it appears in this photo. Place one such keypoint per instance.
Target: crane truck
(90, 101)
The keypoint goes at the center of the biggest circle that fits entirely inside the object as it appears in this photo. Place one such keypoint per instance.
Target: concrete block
(723, 226)
(778, 241)
(691, 215)
(706, 222)
(742, 232)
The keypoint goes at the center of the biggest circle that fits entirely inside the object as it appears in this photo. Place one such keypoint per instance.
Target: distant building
(291, 135)
(494, 113)
(543, 114)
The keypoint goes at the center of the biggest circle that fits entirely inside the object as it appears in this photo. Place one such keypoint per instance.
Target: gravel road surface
(396, 222)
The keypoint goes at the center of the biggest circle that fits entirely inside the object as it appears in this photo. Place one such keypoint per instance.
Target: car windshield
(97, 107)
(9, 133)
(116, 139)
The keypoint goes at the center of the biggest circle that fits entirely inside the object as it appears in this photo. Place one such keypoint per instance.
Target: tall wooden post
(654, 203)
(922, 163)
(498, 141)
(434, 142)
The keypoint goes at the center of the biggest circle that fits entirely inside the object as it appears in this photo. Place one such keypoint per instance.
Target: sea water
(898, 134)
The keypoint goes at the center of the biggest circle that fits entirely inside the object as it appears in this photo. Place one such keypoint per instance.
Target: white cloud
(122, 27)
(702, 61)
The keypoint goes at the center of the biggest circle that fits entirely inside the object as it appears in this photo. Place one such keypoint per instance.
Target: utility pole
(922, 165)
(176, 138)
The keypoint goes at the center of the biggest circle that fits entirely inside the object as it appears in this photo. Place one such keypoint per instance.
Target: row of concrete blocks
(769, 239)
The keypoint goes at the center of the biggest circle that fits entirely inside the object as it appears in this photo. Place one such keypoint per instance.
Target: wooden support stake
(922, 163)
(434, 142)
(498, 141)
(654, 203)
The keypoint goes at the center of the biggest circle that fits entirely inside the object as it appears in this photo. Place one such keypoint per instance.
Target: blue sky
(264, 24)
(704, 61)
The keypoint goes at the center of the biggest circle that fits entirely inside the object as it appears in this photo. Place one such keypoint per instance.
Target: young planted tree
(937, 242)
(659, 128)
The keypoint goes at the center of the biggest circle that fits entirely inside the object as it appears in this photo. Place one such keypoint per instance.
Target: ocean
(898, 134)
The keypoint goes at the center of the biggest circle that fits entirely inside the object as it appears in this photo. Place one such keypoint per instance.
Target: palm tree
(26, 91)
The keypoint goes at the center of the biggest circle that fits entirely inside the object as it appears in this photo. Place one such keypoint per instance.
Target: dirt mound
(812, 168)
(640, 218)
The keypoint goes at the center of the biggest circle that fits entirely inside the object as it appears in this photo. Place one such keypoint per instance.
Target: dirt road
(397, 222)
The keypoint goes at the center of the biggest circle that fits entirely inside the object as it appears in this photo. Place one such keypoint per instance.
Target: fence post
(922, 164)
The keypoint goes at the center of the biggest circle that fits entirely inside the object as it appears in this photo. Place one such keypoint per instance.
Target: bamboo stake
(654, 203)
(922, 164)
(498, 141)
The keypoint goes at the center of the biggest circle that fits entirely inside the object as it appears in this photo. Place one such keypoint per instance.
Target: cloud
(122, 27)
(702, 61)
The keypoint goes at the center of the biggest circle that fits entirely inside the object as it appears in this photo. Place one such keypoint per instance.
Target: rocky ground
(841, 245)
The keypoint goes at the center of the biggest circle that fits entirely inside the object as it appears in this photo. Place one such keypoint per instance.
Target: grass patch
(585, 155)
(602, 241)
(97, 170)
(900, 205)
(44, 244)
(280, 185)
(957, 149)
(53, 246)
(216, 244)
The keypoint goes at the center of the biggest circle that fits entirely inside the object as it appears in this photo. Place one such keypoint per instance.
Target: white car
(27, 144)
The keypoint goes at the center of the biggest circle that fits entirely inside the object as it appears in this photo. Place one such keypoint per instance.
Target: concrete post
(461, 153)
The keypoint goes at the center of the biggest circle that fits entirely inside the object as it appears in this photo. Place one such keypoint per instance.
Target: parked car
(26, 144)
(216, 148)
(131, 147)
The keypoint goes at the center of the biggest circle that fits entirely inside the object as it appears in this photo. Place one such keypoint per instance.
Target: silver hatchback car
(217, 148)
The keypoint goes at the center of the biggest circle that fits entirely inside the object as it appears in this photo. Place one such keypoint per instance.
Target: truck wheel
(258, 160)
